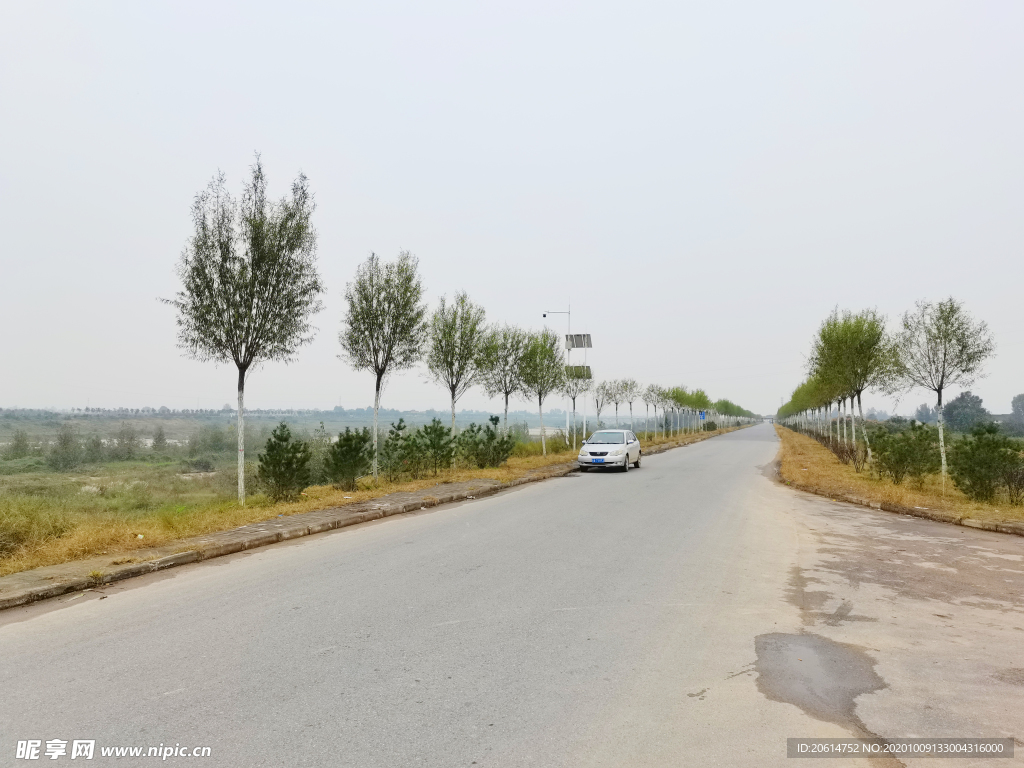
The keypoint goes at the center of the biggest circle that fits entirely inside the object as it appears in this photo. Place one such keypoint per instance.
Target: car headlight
(618, 451)
(584, 453)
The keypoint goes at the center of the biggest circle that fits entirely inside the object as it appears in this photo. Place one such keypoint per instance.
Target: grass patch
(804, 461)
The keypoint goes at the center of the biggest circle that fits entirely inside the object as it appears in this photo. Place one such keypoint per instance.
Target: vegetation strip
(52, 581)
(788, 454)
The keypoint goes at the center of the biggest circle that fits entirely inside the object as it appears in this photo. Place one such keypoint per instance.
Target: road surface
(692, 612)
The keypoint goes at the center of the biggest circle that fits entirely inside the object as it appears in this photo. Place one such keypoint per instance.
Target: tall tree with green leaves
(543, 372)
(501, 362)
(601, 392)
(249, 281)
(653, 396)
(457, 336)
(939, 345)
(384, 330)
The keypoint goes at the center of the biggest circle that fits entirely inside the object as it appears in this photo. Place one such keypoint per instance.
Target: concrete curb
(56, 580)
(938, 515)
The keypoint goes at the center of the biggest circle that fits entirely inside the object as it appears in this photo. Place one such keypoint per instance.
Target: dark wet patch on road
(818, 675)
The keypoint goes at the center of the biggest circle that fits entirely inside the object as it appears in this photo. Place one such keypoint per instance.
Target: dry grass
(64, 518)
(804, 461)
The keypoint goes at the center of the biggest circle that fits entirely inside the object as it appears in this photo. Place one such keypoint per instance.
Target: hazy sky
(704, 182)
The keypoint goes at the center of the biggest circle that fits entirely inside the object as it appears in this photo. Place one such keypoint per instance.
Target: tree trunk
(241, 435)
(631, 417)
(853, 428)
(506, 414)
(942, 440)
(616, 415)
(376, 408)
(863, 429)
(540, 410)
(843, 419)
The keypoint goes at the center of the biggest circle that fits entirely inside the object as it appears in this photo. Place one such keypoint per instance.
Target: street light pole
(565, 402)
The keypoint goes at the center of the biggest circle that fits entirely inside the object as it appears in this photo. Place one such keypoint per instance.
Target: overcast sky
(703, 182)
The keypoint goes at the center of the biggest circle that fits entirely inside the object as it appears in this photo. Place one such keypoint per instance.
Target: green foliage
(209, 439)
(964, 412)
(485, 446)
(711, 426)
(437, 442)
(126, 443)
(401, 453)
(980, 464)
(912, 452)
(159, 440)
(457, 337)
(284, 465)
(19, 446)
(66, 451)
(350, 457)
(94, 451)
(319, 446)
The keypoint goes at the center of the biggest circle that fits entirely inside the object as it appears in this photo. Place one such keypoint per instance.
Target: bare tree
(577, 383)
(457, 334)
(501, 362)
(543, 372)
(600, 400)
(249, 281)
(615, 394)
(939, 345)
(653, 396)
(630, 391)
(384, 328)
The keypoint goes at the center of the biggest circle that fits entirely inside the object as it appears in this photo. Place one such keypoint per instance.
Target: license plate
(598, 461)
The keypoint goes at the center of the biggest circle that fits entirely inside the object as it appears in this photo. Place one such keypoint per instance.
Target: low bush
(485, 446)
(349, 458)
(912, 453)
(284, 465)
(437, 442)
(981, 464)
(66, 451)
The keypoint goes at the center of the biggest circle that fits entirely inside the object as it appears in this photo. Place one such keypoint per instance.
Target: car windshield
(607, 437)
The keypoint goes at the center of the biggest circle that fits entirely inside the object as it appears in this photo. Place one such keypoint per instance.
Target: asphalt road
(693, 612)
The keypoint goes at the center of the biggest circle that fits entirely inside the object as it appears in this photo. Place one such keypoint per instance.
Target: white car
(610, 448)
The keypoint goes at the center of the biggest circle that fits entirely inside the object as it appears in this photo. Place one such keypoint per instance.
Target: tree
(615, 394)
(126, 442)
(600, 400)
(438, 443)
(159, 439)
(384, 329)
(577, 383)
(501, 360)
(66, 451)
(653, 396)
(543, 372)
(457, 334)
(249, 281)
(965, 411)
(19, 446)
(284, 465)
(939, 345)
(629, 391)
(349, 457)
(925, 414)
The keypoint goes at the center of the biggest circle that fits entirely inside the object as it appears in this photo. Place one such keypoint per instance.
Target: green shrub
(911, 453)
(159, 439)
(94, 451)
(66, 451)
(486, 446)
(126, 443)
(284, 465)
(402, 453)
(349, 458)
(437, 443)
(980, 464)
(19, 447)
(319, 444)
(711, 426)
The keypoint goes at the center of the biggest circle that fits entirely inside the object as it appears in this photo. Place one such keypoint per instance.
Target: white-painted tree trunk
(540, 410)
(942, 440)
(376, 408)
(241, 438)
(863, 429)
